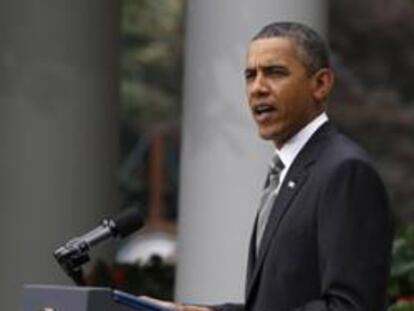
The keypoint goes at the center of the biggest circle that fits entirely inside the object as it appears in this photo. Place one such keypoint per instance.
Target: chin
(266, 135)
(275, 136)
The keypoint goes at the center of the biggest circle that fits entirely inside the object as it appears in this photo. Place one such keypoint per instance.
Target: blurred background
(110, 104)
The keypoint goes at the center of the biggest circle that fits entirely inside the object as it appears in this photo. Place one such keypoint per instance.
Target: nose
(259, 86)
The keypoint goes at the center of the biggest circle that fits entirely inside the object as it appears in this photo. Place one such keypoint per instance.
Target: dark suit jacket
(328, 239)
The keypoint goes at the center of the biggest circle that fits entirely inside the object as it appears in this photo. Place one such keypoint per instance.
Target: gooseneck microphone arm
(74, 253)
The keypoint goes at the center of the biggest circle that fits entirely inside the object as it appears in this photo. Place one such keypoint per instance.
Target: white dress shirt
(294, 145)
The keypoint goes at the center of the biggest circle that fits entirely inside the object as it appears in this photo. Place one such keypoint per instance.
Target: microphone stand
(71, 257)
(74, 253)
(77, 276)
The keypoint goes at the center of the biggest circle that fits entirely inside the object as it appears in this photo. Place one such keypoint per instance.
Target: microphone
(74, 253)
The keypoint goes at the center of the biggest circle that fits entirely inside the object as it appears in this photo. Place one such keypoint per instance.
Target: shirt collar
(292, 147)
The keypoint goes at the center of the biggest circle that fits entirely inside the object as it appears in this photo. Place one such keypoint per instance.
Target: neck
(281, 141)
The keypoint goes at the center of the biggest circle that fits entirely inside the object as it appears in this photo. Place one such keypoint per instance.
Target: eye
(249, 74)
(276, 71)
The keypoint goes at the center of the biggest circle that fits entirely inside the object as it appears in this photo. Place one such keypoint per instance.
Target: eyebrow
(267, 69)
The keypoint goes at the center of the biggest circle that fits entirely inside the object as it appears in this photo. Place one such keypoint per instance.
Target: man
(323, 233)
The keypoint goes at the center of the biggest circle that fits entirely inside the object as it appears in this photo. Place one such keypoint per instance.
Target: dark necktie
(268, 198)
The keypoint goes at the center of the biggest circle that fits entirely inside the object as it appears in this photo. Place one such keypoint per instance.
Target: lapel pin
(291, 184)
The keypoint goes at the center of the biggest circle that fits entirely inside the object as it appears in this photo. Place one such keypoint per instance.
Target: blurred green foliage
(402, 270)
(151, 60)
(401, 285)
(402, 306)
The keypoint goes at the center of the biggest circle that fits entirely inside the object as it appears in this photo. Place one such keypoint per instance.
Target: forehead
(270, 51)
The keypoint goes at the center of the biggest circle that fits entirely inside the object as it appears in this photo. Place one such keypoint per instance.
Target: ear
(322, 82)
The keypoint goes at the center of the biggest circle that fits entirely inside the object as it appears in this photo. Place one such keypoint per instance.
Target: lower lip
(264, 117)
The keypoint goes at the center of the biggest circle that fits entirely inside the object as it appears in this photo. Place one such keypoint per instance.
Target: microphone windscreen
(128, 221)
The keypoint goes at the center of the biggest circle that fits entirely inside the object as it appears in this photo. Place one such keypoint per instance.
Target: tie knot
(276, 165)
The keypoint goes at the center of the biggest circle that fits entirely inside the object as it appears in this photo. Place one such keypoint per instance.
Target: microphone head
(127, 222)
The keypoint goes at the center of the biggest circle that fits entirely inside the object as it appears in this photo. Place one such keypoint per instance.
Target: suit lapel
(252, 254)
(291, 186)
(280, 206)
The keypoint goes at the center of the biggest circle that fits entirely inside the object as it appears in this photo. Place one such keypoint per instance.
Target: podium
(69, 298)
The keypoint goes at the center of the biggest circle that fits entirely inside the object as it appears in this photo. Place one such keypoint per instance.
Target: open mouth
(263, 109)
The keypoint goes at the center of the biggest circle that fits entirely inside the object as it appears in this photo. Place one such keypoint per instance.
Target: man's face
(280, 91)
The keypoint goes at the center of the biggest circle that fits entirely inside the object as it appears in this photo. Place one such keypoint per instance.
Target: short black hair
(312, 50)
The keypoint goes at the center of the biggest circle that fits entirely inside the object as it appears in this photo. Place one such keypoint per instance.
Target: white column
(58, 132)
(223, 161)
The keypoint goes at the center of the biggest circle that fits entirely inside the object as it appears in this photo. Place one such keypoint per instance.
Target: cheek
(293, 108)
(248, 95)
(288, 102)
